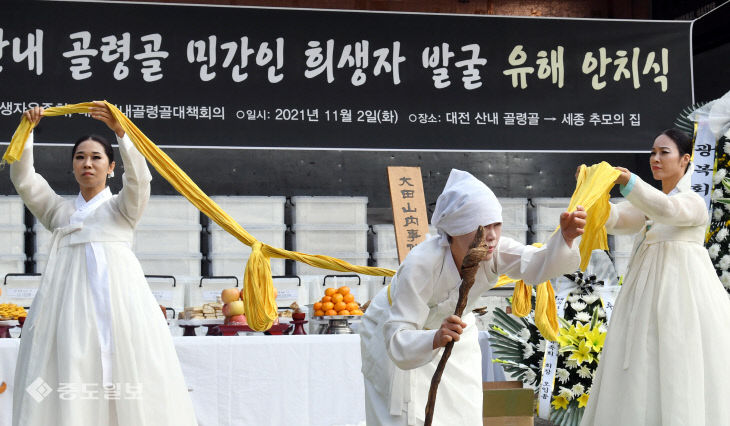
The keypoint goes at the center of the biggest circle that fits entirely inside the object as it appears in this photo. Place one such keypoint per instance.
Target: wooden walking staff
(468, 272)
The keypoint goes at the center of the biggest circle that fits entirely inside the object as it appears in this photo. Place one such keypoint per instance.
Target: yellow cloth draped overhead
(592, 191)
(259, 302)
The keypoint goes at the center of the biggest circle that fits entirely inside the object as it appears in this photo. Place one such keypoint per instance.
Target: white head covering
(465, 204)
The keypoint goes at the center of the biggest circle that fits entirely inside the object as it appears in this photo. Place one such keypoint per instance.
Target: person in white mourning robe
(408, 323)
(95, 348)
(664, 360)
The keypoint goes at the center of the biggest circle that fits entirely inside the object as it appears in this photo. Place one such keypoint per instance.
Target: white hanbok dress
(398, 359)
(96, 349)
(665, 358)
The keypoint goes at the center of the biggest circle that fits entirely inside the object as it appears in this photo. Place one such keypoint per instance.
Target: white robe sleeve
(682, 209)
(408, 345)
(133, 197)
(536, 265)
(33, 189)
(624, 218)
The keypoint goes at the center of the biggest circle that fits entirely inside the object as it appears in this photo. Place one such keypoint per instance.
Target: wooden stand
(5, 331)
(213, 330)
(189, 329)
(276, 329)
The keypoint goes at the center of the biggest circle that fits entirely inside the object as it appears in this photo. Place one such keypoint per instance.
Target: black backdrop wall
(711, 54)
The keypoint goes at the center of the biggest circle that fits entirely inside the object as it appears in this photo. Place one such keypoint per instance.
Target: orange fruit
(326, 299)
(330, 291)
(343, 312)
(351, 306)
(356, 312)
(340, 306)
(343, 290)
(331, 312)
(348, 298)
(337, 298)
(317, 306)
(327, 306)
(318, 313)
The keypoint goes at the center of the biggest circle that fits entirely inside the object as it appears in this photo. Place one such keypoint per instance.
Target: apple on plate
(237, 320)
(230, 295)
(234, 308)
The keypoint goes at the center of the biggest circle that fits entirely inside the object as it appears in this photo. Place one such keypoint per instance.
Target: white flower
(563, 375)
(714, 250)
(578, 306)
(601, 312)
(573, 299)
(571, 363)
(524, 334)
(717, 194)
(530, 376)
(725, 262)
(585, 372)
(566, 393)
(719, 175)
(721, 235)
(726, 147)
(603, 329)
(542, 345)
(583, 317)
(725, 279)
(589, 298)
(717, 214)
(528, 351)
(578, 389)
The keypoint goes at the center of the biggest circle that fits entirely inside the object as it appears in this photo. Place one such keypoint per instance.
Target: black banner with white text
(287, 78)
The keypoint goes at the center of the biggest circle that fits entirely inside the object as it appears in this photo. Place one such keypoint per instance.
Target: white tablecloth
(256, 380)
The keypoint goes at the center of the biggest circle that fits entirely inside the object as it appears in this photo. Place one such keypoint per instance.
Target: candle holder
(299, 326)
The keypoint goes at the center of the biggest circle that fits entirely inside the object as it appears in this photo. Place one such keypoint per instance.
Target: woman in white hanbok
(664, 361)
(95, 348)
(408, 323)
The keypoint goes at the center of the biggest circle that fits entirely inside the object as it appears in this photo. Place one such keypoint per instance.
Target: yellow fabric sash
(259, 302)
(592, 191)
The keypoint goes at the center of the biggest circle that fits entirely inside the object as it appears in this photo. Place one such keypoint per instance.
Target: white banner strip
(704, 161)
(550, 361)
